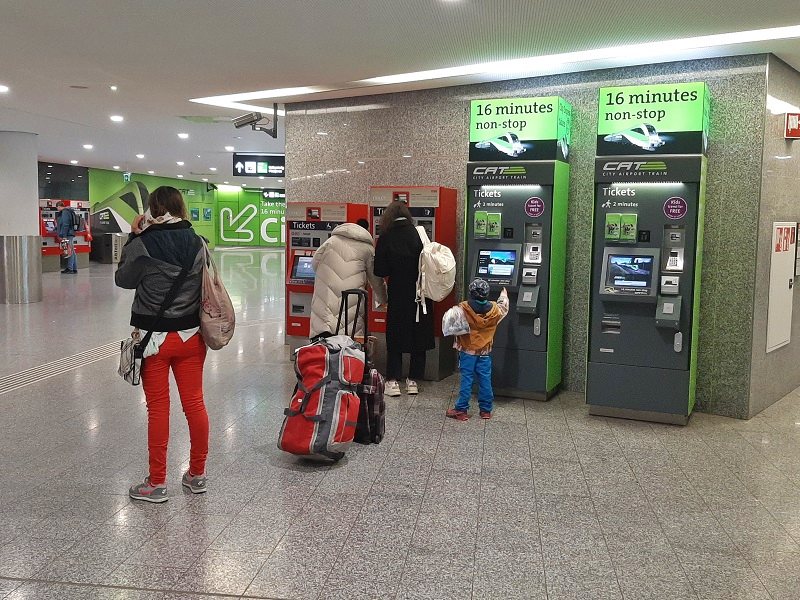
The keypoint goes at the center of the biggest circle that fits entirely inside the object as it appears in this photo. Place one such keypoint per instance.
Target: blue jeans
(470, 367)
(72, 259)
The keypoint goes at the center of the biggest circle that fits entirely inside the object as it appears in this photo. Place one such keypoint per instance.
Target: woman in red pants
(161, 246)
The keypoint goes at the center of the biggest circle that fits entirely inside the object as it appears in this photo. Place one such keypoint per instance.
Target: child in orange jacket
(474, 349)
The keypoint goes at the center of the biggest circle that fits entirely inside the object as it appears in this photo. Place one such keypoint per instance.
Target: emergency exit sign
(258, 165)
(792, 126)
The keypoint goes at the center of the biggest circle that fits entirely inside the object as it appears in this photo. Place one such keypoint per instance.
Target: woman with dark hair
(397, 257)
(164, 248)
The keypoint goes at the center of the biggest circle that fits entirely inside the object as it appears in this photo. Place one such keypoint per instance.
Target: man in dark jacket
(66, 231)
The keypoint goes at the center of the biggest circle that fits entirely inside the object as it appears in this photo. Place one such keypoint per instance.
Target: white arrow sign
(239, 167)
(232, 221)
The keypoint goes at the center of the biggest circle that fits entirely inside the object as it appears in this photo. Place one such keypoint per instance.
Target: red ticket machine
(48, 230)
(308, 225)
(433, 208)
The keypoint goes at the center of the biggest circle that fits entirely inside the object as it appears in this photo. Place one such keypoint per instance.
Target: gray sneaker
(149, 493)
(196, 483)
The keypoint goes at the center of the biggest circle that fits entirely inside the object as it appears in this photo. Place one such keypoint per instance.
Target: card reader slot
(611, 325)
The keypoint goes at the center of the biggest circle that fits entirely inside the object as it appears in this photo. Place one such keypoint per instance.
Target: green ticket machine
(518, 182)
(646, 258)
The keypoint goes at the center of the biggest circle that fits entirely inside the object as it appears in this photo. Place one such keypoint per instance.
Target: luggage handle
(344, 305)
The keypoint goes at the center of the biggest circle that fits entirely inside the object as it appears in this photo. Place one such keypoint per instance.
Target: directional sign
(258, 165)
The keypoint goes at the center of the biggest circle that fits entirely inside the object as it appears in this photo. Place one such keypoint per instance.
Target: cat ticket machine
(48, 230)
(434, 209)
(646, 261)
(516, 239)
(308, 225)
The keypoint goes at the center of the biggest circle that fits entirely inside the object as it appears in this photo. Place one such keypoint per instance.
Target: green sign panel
(520, 129)
(653, 119)
(251, 218)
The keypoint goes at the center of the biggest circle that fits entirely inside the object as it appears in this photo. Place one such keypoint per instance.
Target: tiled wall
(777, 373)
(433, 127)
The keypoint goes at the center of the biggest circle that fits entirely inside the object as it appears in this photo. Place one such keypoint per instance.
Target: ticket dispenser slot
(528, 300)
(668, 312)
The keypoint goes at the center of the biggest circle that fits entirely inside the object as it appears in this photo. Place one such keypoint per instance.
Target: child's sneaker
(149, 493)
(195, 483)
(411, 387)
(486, 414)
(392, 388)
(458, 415)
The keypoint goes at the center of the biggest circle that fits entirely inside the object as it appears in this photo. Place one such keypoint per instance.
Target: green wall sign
(520, 129)
(667, 118)
(251, 218)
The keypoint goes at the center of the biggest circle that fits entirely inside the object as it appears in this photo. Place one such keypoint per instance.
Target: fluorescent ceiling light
(179, 163)
(552, 62)
(140, 156)
(73, 162)
(88, 146)
(183, 136)
(212, 168)
(280, 180)
(117, 118)
(225, 182)
(783, 157)
(322, 133)
(237, 101)
(205, 178)
(180, 176)
(113, 88)
(150, 172)
(4, 89)
(115, 167)
(229, 148)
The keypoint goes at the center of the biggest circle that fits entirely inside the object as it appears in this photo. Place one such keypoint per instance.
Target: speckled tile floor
(543, 501)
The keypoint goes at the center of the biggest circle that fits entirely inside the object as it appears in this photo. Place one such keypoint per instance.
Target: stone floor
(543, 501)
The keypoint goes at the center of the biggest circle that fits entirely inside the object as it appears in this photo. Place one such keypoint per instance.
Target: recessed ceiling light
(180, 176)
(117, 118)
(179, 163)
(49, 166)
(406, 156)
(237, 137)
(183, 136)
(197, 155)
(322, 133)
(4, 89)
(49, 172)
(88, 146)
(783, 157)
(261, 177)
(113, 88)
(150, 172)
(212, 168)
(280, 180)
(140, 156)
(116, 167)
(79, 176)
(244, 185)
(228, 148)
(225, 182)
(361, 162)
(73, 162)
(205, 178)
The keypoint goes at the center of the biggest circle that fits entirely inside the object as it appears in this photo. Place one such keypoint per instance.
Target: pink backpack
(217, 317)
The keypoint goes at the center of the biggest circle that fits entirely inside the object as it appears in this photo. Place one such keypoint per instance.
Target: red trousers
(186, 360)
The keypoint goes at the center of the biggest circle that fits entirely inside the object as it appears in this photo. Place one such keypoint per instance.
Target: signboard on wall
(667, 118)
(792, 126)
(246, 164)
(781, 284)
(248, 218)
(520, 129)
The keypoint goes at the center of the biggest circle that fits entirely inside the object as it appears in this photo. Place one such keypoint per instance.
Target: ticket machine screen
(50, 225)
(629, 272)
(497, 266)
(302, 268)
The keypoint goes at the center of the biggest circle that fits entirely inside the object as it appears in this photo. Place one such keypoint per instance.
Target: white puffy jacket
(343, 262)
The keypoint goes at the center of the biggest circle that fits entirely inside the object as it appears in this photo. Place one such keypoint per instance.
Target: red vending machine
(433, 208)
(51, 250)
(308, 225)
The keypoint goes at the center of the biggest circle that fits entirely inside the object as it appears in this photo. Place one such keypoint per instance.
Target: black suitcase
(372, 412)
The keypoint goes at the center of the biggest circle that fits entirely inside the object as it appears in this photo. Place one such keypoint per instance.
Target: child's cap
(479, 290)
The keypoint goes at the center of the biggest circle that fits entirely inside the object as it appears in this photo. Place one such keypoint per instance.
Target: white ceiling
(162, 53)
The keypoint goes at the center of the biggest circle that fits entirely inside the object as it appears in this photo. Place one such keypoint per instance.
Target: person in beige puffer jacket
(343, 262)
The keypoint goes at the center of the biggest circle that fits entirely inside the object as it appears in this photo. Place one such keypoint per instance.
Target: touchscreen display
(629, 272)
(302, 268)
(496, 265)
(50, 225)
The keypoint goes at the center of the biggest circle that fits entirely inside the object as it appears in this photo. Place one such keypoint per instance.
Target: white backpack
(437, 272)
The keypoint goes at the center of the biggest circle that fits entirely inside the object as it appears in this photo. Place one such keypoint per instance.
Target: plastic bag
(455, 322)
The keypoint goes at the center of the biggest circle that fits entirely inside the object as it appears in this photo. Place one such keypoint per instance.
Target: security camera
(248, 119)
